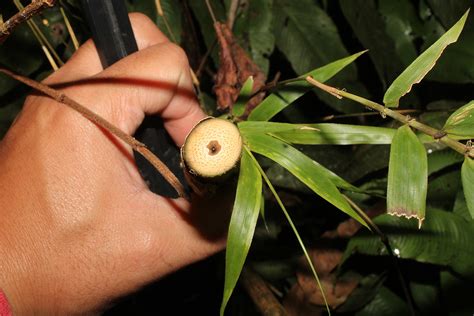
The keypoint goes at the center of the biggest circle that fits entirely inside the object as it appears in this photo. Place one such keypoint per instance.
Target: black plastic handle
(113, 36)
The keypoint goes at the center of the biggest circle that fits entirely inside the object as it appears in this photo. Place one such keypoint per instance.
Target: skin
(78, 227)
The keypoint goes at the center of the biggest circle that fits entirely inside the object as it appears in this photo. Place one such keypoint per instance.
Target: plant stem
(234, 5)
(439, 135)
(40, 36)
(74, 40)
(261, 294)
(98, 120)
(35, 7)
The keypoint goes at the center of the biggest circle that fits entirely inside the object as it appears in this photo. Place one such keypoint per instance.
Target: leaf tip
(408, 214)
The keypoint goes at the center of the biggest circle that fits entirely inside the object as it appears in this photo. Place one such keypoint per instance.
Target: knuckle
(179, 55)
(140, 19)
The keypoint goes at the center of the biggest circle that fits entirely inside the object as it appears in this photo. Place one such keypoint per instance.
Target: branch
(98, 120)
(231, 15)
(405, 119)
(34, 8)
(261, 294)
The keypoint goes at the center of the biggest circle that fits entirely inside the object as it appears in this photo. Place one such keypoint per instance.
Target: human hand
(78, 226)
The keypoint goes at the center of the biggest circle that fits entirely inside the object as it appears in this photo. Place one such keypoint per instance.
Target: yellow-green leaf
(245, 93)
(242, 224)
(280, 99)
(460, 125)
(418, 69)
(407, 176)
(302, 167)
(467, 175)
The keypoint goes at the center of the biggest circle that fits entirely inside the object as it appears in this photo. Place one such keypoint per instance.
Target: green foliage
(244, 96)
(291, 38)
(460, 125)
(407, 176)
(422, 65)
(385, 303)
(467, 174)
(242, 224)
(445, 239)
(322, 181)
(290, 92)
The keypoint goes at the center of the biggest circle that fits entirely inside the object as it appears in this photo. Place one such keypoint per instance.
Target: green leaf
(445, 239)
(286, 95)
(293, 227)
(242, 224)
(407, 176)
(300, 29)
(261, 38)
(460, 206)
(422, 65)
(337, 180)
(245, 93)
(369, 27)
(403, 25)
(323, 133)
(172, 13)
(467, 175)
(385, 303)
(451, 67)
(308, 171)
(460, 125)
(309, 38)
(440, 159)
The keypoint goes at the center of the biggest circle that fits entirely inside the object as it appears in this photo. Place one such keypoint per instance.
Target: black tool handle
(114, 39)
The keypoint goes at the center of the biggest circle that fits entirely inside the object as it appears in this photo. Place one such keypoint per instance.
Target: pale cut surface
(212, 148)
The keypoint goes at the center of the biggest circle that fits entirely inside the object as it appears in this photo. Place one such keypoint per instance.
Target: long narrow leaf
(279, 100)
(245, 93)
(422, 65)
(293, 227)
(407, 176)
(325, 133)
(460, 125)
(467, 175)
(302, 167)
(337, 180)
(242, 224)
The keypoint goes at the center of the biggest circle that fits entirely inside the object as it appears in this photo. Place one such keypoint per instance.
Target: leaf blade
(445, 239)
(242, 224)
(304, 168)
(407, 176)
(467, 176)
(276, 102)
(460, 125)
(418, 69)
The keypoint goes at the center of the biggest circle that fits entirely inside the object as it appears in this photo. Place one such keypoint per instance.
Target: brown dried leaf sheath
(235, 67)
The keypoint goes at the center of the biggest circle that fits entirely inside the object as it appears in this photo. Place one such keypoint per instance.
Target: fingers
(86, 63)
(156, 80)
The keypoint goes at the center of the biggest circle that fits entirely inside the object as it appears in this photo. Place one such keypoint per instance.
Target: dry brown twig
(103, 123)
(34, 8)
